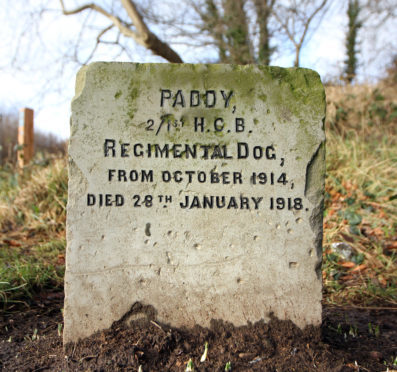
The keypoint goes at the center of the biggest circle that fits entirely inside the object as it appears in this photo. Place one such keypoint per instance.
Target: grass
(29, 269)
(361, 199)
(360, 208)
(32, 230)
(36, 198)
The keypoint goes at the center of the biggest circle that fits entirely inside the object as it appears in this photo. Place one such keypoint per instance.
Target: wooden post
(25, 136)
(1, 134)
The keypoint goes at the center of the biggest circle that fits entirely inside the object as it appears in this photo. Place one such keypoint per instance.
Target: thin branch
(98, 41)
(286, 29)
(292, 34)
(116, 20)
(136, 19)
(309, 21)
(142, 36)
(80, 36)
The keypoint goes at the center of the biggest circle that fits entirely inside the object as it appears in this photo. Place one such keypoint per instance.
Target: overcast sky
(39, 66)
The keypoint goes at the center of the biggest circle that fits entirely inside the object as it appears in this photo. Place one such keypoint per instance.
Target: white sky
(23, 81)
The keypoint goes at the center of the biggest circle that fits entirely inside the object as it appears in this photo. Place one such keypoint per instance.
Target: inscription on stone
(196, 191)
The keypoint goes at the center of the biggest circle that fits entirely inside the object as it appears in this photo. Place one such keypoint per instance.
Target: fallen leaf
(347, 264)
(382, 214)
(12, 243)
(391, 246)
(360, 267)
(332, 192)
(351, 365)
(382, 280)
(378, 232)
(61, 259)
(347, 238)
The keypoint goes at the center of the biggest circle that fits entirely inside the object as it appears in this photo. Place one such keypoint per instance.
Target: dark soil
(345, 342)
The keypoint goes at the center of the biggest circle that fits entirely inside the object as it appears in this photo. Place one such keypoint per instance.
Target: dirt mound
(349, 339)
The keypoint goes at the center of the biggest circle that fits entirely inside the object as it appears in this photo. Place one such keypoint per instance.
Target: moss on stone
(262, 97)
(290, 94)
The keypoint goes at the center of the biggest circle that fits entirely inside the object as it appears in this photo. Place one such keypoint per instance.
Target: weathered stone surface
(253, 135)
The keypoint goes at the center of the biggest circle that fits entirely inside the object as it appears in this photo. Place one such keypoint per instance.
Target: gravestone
(195, 193)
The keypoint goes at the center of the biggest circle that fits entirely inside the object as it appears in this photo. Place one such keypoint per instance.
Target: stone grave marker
(195, 193)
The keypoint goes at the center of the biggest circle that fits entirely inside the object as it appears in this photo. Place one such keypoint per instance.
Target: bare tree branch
(142, 35)
(309, 20)
(213, 25)
(136, 18)
(298, 13)
(98, 41)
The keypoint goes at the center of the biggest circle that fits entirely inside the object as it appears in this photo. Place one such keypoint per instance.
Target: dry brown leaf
(347, 264)
(360, 267)
(378, 232)
(332, 192)
(12, 243)
(331, 212)
(347, 238)
(391, 246)
(61, 259)
(382, 280)
(356, 367)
